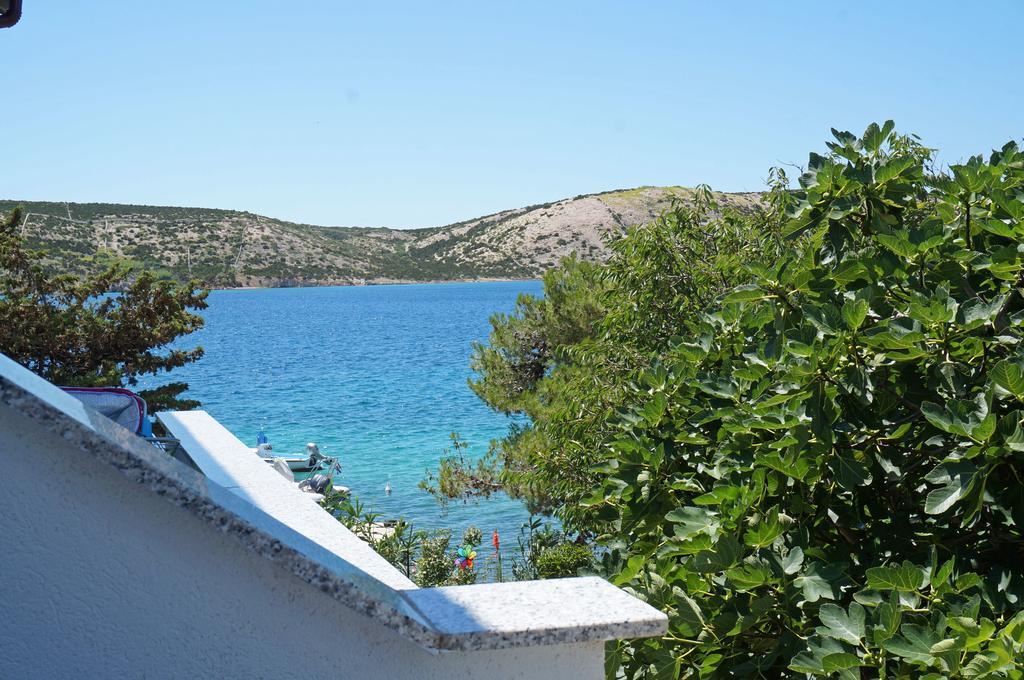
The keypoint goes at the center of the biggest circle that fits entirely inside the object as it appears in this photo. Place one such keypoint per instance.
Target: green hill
(232, 248)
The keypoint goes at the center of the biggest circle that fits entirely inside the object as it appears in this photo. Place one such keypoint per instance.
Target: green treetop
(105, 329)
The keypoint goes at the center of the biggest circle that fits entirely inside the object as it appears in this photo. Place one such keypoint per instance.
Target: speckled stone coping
(485, 616)
(524, 613)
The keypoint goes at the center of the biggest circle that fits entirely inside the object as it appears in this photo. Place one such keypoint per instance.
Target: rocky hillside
(229, 248)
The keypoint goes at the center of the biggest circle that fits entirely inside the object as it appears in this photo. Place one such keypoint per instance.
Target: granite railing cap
(485, 616)
(525, 613)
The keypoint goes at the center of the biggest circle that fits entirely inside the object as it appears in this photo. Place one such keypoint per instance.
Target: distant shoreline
(238, 250)
(378, 282)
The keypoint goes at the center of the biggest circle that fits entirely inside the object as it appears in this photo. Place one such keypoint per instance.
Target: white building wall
(101, 578)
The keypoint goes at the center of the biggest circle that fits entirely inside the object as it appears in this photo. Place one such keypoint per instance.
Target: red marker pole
(496, 542)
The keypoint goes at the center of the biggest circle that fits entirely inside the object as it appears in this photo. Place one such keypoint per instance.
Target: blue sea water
(373, 374)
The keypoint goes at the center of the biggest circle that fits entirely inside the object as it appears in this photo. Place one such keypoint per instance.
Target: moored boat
(313, 460)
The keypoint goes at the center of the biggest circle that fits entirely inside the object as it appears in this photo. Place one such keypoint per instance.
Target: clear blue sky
(418, 114)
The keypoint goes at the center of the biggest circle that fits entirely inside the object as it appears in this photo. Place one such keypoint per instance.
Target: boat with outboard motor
(313, 460)
(320, 469)
(315, 464)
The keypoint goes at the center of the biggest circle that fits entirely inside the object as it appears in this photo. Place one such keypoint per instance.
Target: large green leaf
(690, 521)
(849, 472)
(942, 499)
(816, 582)
(900, 245)
(718, 386)
(690, 616)
(1011, 431)
(888, 616)
(812, 661)
(792, 561)
(764, 532)
(893, 169)
(725, 554)
(956, 479)
(718, 495)
(841, 625)
(839, 661)
(977, 311)
(938, 416)
(1009, 374)
(792, 465)
(974, 631)
(826, 318)
(874, 136)
(752, 573)
(915, 644)
(745, 293)
(906, 578)
(962, 417)
(854, 312)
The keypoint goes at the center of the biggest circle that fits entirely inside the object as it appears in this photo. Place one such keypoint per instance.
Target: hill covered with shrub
(231, 248)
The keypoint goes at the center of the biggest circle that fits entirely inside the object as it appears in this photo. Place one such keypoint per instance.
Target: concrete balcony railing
(119, 561)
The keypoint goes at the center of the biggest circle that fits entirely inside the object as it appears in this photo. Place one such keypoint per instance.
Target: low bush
(564, 560)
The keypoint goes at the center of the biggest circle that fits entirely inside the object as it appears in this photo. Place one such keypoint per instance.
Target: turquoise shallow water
(375, 374)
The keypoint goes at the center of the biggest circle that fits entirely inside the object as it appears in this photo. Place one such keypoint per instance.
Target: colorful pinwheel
(466, 557)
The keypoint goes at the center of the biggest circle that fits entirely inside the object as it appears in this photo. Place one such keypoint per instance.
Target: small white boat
(313, 460)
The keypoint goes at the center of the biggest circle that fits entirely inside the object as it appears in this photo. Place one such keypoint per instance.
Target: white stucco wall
(99, 577)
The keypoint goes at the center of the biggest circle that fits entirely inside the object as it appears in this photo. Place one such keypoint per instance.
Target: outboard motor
(315, 484)
(313, 451)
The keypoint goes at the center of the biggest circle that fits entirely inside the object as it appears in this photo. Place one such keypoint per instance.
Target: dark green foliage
(568, 360)
(567, 559)
(435, 564)
(824, 474)
(73, 330)
(525, 344)
(809, 454)
(457, 475)
(535, 538)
